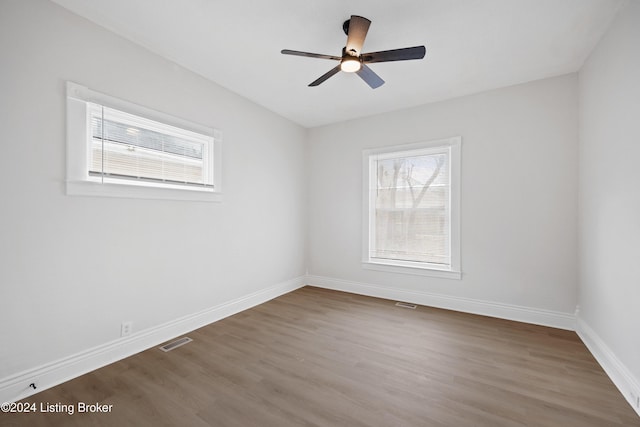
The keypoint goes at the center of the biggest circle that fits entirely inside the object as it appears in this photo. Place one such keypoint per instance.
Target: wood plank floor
(316, 357)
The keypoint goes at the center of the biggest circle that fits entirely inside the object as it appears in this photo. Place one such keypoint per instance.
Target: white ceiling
(472, 46)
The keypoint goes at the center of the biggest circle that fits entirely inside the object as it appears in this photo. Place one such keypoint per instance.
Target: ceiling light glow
(350, 65)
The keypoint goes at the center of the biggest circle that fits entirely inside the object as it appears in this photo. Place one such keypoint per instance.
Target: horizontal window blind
(129, 147)
(411, 207)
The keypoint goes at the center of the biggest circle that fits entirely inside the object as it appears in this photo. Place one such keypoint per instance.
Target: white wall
(73, 268)
(519, 201)
(610, 198)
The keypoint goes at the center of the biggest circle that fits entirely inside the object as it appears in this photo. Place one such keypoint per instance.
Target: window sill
(444, 274)
(96, 189)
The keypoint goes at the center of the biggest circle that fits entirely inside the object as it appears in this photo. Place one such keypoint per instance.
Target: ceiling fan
(353, 60)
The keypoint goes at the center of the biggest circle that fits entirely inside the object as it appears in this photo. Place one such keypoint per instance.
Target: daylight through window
(409, 208)
(125, 146)
(119, 149)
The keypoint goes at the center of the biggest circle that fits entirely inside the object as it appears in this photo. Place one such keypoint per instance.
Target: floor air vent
(406, 305)
(175, 344)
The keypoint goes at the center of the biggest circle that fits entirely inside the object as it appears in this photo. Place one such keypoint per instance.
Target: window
(115, 148)
(411, 209)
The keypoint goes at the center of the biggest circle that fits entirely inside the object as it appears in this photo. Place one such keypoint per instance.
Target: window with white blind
(116, 148)
(411, 208)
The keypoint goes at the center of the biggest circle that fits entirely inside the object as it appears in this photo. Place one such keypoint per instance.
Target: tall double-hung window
(411, 211)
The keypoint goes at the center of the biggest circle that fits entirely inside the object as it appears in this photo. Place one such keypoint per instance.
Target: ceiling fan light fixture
(350, 64)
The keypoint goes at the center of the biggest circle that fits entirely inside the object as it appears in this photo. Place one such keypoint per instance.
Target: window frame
(78, 179)
(453, 146)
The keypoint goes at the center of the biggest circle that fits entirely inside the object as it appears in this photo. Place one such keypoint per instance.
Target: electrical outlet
(126, 328)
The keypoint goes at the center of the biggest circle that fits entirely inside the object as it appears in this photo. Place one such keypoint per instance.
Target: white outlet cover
(126, 328)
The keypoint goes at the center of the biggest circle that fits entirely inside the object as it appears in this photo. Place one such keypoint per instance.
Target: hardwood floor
(316, 357)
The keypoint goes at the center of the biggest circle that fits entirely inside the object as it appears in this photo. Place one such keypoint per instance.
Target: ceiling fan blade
(325, 76)
(309, 55)
(370, 77)
(416, 52)
(358, 27)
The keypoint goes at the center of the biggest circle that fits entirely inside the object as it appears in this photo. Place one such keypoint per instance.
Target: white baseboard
(535, 316)
(16, 387)
(615, 369)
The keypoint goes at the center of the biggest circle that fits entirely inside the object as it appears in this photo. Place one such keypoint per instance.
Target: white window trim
(454, 144)
(80, 184)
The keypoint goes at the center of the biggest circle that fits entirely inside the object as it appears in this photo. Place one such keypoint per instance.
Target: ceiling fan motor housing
(346, 53)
